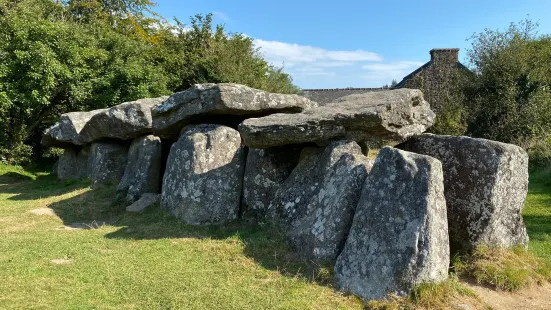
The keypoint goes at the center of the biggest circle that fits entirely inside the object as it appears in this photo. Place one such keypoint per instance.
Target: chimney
(444, 55)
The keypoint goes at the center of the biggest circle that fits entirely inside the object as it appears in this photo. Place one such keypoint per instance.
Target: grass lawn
(154, 261)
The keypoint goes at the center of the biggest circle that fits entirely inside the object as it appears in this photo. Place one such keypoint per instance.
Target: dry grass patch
(504, 269)
(444, 295)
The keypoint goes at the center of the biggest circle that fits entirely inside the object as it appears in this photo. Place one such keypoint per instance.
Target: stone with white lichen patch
(321, 233)
(316, 203)
(204, 175)
(398, 237)
(486, 183)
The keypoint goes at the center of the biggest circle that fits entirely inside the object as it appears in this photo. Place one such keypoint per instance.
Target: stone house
(439, 71)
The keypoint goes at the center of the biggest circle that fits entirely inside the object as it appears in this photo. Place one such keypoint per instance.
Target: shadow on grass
(264, 244)
(43, 186)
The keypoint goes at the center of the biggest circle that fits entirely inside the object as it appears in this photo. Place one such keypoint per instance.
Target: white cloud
(221, 16)
(316, 67)
(282, 53)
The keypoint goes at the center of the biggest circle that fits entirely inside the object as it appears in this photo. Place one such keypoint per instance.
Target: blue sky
(335, 44)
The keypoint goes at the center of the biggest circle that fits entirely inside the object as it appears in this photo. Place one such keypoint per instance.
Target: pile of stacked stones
(219, 152)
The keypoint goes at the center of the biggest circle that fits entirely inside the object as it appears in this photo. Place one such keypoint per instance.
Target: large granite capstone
(204, 175)
(202, 100)
(124, 121)
(386, 115)
(399, 236)
(486, 183)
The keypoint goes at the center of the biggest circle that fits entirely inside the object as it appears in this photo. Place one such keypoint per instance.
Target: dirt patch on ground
(534, 298)
(43, 211)
(61, 261)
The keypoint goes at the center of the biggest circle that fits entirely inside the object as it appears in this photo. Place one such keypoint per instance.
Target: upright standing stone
(486, 183)
(107, 163)
(204, 175)
(399, 233)
(265, 171)
(143, 171)
(73, 164)
(320, 234)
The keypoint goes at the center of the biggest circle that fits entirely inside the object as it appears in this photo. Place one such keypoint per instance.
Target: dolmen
(217, 153)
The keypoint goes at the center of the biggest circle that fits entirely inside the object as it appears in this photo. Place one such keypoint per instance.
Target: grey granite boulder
(316, 203)
(386, 115)
(320, 234)
(73, 164)
(65, 132)
(203, 100)
(399, 234)
(204, 175)
(291, 200)
(124, 121)
(147, 200)
(143, 170)
(486, 183)
(265, 171)
(107, 163)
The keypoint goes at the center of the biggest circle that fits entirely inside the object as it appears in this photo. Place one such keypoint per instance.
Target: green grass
(154, 261)
(144, 261)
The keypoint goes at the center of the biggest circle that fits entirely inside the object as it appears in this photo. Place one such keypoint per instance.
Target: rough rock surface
(399, 233)
(386, 115)
(107, 163)
(73, 164)
(265, 171)
(124, 121)
(320, 234)
(147, 200)
(486, 183)
(143, 171)
(204, 175)
(184, 107)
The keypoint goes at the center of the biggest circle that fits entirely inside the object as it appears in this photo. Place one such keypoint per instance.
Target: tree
(79, 55)
(394, 83)
(510, 97)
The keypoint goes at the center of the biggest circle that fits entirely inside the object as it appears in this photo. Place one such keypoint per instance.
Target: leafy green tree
(510, 98)
(78, 55)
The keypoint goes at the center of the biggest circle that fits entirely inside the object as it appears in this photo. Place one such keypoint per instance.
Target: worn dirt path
(535, 298)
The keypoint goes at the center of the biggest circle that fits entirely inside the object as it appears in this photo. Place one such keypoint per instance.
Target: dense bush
(507, 97)
(60, 56)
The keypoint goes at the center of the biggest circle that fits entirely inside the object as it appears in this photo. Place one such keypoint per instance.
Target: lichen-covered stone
(204, 175)
(320, 234)
(265, 171)
(124, 121)
(203, 100)
(106, 163)
(385, 115)
(293, 196)
(73, 164)
(486, 183)
(143, 171)
(399, 233)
